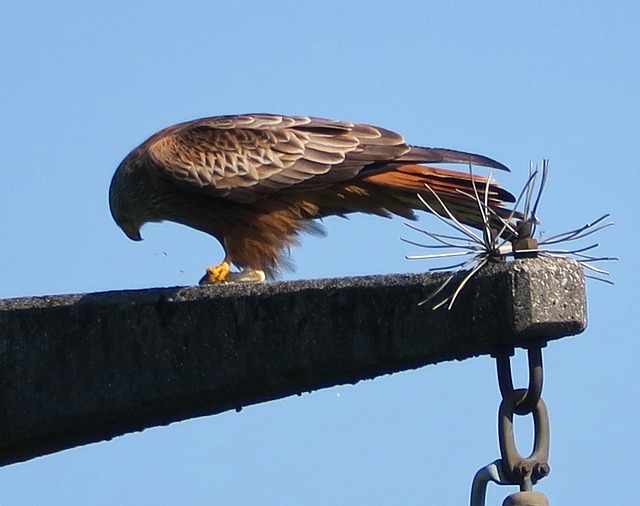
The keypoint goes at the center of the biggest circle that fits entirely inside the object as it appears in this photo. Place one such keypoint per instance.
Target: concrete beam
(77, 369)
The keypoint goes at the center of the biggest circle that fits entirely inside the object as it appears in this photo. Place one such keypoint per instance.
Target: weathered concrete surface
(81, 368)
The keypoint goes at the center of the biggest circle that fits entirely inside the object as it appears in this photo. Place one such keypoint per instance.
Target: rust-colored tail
(408, 180)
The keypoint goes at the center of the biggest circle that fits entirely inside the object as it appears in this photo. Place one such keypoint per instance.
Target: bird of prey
(257, 181)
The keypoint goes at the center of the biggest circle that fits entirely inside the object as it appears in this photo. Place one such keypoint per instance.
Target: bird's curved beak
(132, 232)
(135, 236)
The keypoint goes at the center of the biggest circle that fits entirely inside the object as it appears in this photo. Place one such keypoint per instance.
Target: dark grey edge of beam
(77, 369)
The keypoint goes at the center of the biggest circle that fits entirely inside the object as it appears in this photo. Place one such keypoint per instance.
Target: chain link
(518, 469)
(527, 404)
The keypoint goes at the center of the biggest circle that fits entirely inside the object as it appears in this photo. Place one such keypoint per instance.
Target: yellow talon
(221, 274)
(216, 274)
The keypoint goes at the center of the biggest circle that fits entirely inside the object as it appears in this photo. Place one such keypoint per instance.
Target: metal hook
(492, 472)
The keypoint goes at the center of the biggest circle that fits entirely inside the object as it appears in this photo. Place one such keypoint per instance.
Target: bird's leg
(221, 273)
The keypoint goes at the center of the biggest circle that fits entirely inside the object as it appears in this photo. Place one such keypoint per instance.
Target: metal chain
(513, 468)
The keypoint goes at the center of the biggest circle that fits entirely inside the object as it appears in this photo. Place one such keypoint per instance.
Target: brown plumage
(256, 181)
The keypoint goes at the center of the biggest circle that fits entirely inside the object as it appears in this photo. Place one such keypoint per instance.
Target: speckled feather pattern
(256, 181)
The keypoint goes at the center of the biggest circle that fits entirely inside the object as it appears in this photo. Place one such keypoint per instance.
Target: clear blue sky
(84, 82)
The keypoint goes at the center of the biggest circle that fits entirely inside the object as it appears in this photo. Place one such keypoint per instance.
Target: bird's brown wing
(245, 158)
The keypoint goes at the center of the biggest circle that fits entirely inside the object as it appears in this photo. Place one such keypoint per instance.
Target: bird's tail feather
(455, 189)
(418, 154)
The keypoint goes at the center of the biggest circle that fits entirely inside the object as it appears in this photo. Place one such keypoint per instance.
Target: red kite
(256, 181)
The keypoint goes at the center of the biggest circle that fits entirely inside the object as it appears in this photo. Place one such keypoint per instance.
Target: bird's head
(126, 198)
